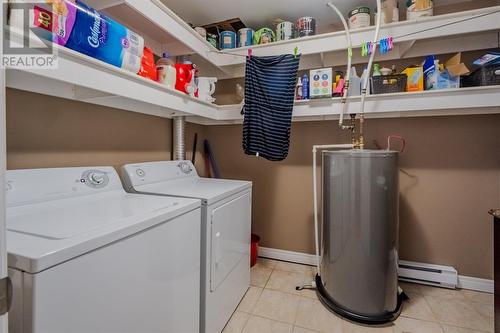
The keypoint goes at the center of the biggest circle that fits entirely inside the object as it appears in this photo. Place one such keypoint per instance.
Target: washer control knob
(140, 173)
(95, 178)
(185, 167)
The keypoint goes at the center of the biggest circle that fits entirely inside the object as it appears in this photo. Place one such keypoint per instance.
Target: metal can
(227, 40)
(245, 37)
(284, 31)
(306, 26)
(264, 36)
(359, 17)
(212, 39)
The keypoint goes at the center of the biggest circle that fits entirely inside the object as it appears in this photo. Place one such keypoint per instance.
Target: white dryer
(226, 228)
(85, 256)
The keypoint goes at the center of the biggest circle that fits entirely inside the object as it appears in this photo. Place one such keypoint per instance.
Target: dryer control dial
(185, 167)
(95, 178)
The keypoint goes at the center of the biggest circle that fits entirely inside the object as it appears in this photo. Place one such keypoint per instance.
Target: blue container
(305, 87)
(245, 37)
(227, 40)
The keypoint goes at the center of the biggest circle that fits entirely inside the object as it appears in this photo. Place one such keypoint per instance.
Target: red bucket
(254, 249)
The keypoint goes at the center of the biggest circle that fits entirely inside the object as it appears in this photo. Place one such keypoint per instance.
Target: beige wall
(451, 179)
(452, 165)
(46, 131)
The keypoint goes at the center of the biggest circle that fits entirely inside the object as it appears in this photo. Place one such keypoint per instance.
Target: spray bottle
(298, 90)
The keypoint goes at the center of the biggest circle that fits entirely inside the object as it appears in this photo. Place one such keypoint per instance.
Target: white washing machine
(85, 256)
(226, 228)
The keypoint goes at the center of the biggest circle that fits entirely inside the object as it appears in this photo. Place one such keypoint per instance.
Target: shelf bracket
(405, 47)
(322, 59)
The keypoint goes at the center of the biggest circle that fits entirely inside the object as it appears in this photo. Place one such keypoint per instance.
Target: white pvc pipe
(343, 101)
(315, 194)
(372, 56)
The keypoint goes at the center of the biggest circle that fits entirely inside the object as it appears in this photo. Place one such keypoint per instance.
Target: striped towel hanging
(269, 96)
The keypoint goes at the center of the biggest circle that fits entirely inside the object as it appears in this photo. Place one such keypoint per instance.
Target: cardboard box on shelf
(455, 66)
(446, 77)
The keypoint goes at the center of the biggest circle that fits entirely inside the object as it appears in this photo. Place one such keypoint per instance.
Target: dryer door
(230, 237)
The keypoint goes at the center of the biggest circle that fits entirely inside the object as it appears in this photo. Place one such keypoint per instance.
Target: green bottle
(376, 70)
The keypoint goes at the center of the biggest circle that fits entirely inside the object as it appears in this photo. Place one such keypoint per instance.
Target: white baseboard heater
(434, 275)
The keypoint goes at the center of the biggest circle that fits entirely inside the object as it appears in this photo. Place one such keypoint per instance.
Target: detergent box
(415, 80)
(439, 76)
(73, 24)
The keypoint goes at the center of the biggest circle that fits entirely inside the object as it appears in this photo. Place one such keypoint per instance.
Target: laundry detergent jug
(184, 76)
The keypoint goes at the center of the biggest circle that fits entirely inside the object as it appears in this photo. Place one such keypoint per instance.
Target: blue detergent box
(435, 79)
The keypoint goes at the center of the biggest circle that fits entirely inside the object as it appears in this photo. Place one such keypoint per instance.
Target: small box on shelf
(415, 78)
(447, 76)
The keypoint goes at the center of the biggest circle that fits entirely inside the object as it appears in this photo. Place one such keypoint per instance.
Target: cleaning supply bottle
(364, 77)
(298, 90)
(167, 74)
(305, 87)
(376, 70)
(354, 83)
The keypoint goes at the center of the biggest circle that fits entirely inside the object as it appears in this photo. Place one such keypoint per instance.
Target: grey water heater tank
(358, 273)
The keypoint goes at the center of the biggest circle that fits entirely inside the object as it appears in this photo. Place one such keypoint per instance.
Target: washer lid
(62, 219)
(179, 178)
(45, 234)
(210, 190)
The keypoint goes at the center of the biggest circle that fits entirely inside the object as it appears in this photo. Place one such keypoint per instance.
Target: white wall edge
(477, 284)
(464, 282)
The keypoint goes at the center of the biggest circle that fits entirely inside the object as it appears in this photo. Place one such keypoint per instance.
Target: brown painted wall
(451, 179)
(46, 131)
(452, 164)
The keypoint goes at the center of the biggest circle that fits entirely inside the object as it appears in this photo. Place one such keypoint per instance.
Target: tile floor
(272, 305)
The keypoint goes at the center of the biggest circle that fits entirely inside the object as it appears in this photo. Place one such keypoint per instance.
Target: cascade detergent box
(73, 24)
(415, 80)
(437, 76)
(320, 83)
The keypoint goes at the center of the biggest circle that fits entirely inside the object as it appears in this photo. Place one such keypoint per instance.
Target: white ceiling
(259, 13)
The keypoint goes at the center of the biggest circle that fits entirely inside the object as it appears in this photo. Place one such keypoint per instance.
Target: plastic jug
(167, 74)
(184, 76)
(354, 83)
(206, 87)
